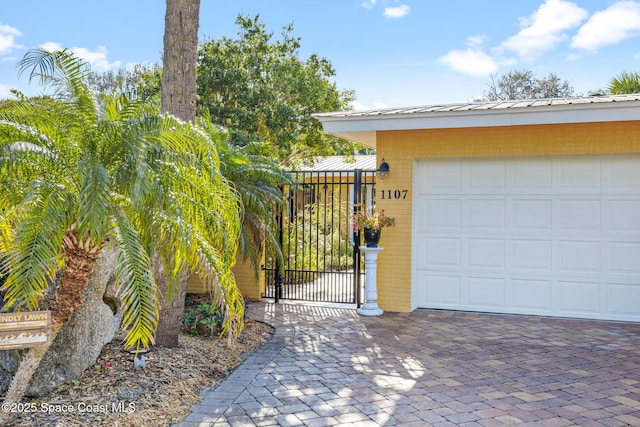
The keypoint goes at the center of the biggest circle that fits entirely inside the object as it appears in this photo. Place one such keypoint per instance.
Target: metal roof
(341, 163)
(484, 105)
(361, 126)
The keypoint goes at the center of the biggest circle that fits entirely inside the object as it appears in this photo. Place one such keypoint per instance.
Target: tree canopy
(145, 80)
(262, 90)
(523, 84)
(625, 82)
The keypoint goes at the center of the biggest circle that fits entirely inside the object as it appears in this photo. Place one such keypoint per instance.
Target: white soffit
(361, 126)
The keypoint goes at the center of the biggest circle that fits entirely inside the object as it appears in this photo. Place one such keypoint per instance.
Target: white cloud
(51, 46)
(473, 61)
(618, 22)
(97, 59)
(8, 36)
(476, 41)
(368, 4)
(544, 29)
(540, 32)
(357, 106)
(396, 12)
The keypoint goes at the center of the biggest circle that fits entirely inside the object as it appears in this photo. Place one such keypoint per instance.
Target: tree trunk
(171, 307)
(79, 263)
(180, 56)
(178, 99)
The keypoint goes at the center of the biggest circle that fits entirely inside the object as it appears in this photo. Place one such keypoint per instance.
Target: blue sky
(391, 52)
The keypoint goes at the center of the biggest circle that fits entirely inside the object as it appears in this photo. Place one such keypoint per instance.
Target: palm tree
(258, 181)
(625, 82)
(181, 22)
(182, 19)
(80, 174)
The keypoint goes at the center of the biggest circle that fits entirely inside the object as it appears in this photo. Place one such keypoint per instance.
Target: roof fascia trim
(581, 113)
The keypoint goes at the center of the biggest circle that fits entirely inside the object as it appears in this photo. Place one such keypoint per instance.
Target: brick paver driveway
(329, 366)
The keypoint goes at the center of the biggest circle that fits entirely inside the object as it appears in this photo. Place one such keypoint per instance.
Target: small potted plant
(371, 225)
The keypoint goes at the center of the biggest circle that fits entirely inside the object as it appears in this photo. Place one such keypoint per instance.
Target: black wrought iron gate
(321, 256)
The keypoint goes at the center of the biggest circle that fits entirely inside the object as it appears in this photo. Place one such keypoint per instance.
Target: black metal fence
(321, 254)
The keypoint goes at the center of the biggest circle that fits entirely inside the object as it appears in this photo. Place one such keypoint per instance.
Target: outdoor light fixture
(383, 170)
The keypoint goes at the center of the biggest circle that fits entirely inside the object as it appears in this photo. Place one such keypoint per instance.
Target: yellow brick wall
(195, 285)
(394, 262)
(246, 280)
(400, 148)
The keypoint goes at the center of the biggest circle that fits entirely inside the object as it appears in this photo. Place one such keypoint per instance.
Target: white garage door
(547, 236)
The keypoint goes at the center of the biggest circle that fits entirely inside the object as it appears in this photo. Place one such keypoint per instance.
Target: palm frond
(136, 285)
(94, 205)
(6, 231)
(36, 252)
(61, 70)
(39, 137)
(258, 181)
(625, 83)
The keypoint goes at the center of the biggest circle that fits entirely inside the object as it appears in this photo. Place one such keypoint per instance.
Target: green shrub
(203, 314)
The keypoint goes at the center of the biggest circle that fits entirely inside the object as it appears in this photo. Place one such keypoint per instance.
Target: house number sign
(393, 194)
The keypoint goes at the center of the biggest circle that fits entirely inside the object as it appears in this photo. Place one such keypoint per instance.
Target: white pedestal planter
(370, 306)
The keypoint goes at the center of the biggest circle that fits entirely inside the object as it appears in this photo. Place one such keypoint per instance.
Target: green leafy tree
(145, 80)
(262, 90)
(523, 84)
(625, 82)
(81, 173)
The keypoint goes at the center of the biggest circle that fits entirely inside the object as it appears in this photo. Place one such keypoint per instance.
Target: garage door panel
(531, 254)
(486, 213)
(443, 214)
(530, 176)
(579, 175)
(531, 296)
(487, 177)
(579, 214)
(558, 236)
(487, 292)
(486, 253)
(623, 177)
(623, 300)
(579, 256)
(624, 257)
(579, 298)
(443, 291)
(439, 177)
(624, 215)
(442, 251)
(532, 214)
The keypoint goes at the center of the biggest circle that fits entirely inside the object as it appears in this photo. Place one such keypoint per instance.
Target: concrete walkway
(328, 366)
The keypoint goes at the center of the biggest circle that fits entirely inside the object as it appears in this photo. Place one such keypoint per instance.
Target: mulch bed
(112, 393)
